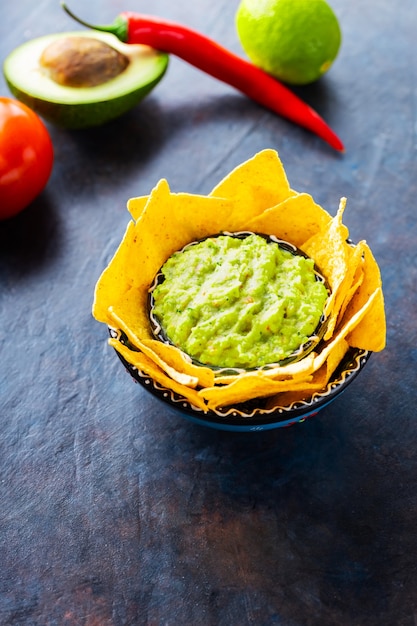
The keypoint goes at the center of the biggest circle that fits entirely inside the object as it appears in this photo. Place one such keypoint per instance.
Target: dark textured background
(116, 511)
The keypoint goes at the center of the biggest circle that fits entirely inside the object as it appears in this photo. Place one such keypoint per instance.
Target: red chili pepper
(215, 60)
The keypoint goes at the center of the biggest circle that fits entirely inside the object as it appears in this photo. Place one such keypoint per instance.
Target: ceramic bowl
(253, 415)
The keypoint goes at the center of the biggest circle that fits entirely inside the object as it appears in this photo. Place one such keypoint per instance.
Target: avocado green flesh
(81, 107)
(231, 302)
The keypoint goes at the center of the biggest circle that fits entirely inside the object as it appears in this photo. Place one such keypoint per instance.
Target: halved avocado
(68, 95)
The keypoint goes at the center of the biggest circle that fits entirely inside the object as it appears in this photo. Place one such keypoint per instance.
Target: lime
(294, 40)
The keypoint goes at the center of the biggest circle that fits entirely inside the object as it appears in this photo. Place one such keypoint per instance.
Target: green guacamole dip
(238, 302)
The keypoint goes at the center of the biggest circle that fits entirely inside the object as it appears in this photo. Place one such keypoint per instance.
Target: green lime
(294, 40)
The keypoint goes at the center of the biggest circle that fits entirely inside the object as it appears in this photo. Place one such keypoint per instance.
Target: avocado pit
(82, 61)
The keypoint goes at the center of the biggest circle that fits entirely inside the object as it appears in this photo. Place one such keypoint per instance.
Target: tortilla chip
(294, 371)
(148, 367)
(352, 281)
(179, 377)
(168, 358)
(116, 280)
(331, 253)
(370, 334)
(244, 389)
(320, 379)
(346, 329)
(135, 206)
(288, 398)
(295, 219)
(182, 362)
(330, 249)
(344, 293)
(254, 186)
(334, 357)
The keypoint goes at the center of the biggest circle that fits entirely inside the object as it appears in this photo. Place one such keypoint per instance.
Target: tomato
(26, 156)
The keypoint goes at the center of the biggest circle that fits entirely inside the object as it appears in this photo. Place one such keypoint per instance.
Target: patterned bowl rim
(252, 414)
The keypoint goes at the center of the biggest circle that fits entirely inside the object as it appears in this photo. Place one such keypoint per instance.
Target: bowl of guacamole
(248, 308)
(239, 301)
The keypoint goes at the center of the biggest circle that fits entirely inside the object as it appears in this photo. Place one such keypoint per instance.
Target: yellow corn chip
(147, 366)
(117, 279)
(346, 329)
(331, 252)
(255, 185)
(168, 358)
(352, 281)
(296, 219)
(294, 371)
(135, 206)
(320, 379)
(354, 260)
(245, 389)
(370, 334)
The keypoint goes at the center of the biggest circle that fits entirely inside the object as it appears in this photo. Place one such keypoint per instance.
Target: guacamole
(243, 302)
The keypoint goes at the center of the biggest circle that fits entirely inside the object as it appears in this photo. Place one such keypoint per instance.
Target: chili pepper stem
(118, 27)
(215, 60)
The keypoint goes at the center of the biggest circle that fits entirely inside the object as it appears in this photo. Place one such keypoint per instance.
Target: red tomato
(26, 156)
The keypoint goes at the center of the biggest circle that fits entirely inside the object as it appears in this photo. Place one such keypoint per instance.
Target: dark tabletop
(114, 510)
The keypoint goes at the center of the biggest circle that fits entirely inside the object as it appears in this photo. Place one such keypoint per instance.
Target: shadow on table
(29, 239)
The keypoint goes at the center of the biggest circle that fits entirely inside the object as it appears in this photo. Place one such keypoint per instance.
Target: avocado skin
(79, 114)
(84, 115)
